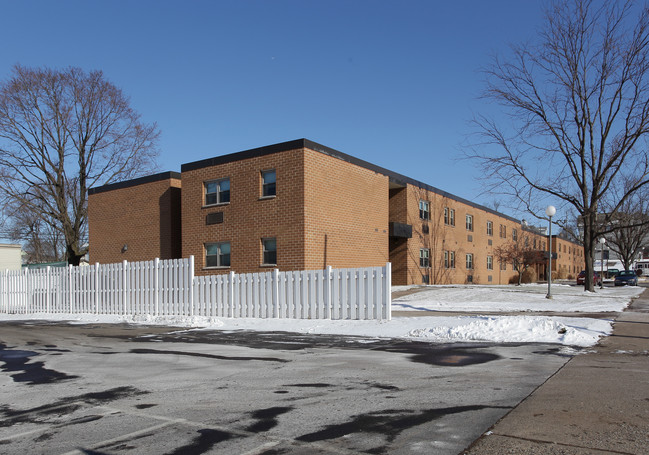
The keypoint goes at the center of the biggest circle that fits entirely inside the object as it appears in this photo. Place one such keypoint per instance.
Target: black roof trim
(134, 182)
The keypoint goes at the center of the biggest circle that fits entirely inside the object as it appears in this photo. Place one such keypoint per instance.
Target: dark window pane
(225, 260)
(269, 189)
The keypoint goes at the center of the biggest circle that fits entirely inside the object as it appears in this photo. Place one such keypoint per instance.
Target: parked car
(610, 273)
(626, 278)
(582, 277)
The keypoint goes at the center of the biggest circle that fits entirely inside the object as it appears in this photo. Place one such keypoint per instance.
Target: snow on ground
(528, 297)
(528, 328)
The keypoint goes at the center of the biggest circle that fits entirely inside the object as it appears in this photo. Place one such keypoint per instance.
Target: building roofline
(305, 143)
(134, 182)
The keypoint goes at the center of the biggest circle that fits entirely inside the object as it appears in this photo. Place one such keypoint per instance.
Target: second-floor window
(268, 187)
(503, 231)
(469, 222)
(217, 192)
(449, 216)
(490, 228)
(514, 235)
(424, 210)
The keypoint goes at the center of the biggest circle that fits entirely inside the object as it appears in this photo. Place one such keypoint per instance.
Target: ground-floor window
(449, 259)
(217, 254)
(269, 248)
(469, 261)
(490, 263)
(424, 257)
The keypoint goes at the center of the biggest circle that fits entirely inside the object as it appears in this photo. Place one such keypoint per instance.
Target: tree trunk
(589, 241)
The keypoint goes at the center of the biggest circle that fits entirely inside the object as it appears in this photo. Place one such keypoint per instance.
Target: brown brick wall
(144, 217)
(438, 237)
(247, 218)
(346, 214)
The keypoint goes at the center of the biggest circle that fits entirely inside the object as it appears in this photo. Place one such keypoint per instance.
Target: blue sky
(391, 82)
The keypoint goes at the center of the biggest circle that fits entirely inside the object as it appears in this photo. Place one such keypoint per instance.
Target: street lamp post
(550, 211)
(602, 241)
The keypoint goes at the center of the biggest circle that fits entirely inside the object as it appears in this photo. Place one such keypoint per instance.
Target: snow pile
(521, 329)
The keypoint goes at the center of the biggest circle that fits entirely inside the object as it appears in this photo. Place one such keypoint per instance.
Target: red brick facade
(135, 220)
(326, 209)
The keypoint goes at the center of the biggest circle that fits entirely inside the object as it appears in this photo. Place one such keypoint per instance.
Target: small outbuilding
(10, 256)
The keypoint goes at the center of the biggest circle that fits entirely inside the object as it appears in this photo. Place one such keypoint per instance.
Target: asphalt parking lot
(113, 389)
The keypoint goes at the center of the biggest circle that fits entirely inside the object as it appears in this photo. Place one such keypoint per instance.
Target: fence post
(156, 284)
(231, 294)
(125, 287)
(3, 289)
(70, 296)
(327, 290)
(190, 284)
(388, 290)
(276, 293)
(48, 292)
(97, 288)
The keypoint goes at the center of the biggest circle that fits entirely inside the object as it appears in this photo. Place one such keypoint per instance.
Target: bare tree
(519, 253)
(62, 132)
(41, 242)
(578, 114)
(629, 230)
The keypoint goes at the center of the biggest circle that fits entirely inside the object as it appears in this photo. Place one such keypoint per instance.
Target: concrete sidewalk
(597, 403)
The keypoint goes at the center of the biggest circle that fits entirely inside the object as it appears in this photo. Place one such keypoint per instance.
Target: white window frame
(220, 255)
(218, 194)
(266, 191)
(424, 210)
(265, 242)
(424, 258)
(469, 261)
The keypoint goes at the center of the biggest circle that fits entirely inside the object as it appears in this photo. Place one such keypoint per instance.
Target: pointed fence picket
(169, 287)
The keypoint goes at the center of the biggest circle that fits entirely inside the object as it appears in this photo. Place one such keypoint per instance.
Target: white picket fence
(166, 288)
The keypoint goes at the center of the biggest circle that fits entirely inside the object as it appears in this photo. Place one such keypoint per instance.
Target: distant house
(10, 256)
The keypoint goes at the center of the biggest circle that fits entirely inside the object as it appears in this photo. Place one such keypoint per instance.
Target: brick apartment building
(300, 205)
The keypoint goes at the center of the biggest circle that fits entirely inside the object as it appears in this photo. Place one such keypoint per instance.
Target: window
(217, 254)
(469, 261)
(217, 192)
(490, 263)
(503, 266)
(449, 216)
(503, 231)
(424, 257)
(424, 210)
(269, 247)
(268, 188)
(449, 259)
(490, 228)
(514, 235)
(469, 222)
